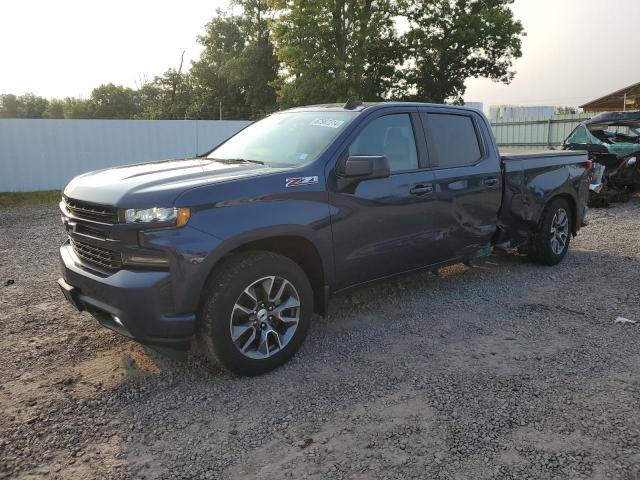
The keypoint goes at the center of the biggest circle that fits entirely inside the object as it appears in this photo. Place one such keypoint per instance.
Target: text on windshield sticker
(325, 122)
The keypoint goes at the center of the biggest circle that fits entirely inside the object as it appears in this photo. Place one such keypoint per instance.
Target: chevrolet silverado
(237, 249)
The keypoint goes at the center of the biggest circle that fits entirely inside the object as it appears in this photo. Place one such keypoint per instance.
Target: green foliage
(55, 109)
(256, 68)
(166, 97)
(111, 101)
(77, 108)
(8, 106)
(223, 42)
(237, 67)
(31, 106)
(566, 110)
(335, 49)
(12, 199)
(24, 106)
(450, 41)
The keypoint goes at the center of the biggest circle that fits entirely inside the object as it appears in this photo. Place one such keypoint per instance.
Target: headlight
(157, 214)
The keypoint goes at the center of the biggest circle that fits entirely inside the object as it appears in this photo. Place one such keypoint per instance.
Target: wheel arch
(299, 249)
(572, 205)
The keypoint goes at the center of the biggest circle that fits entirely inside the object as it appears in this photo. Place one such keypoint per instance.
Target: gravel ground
(507, 370)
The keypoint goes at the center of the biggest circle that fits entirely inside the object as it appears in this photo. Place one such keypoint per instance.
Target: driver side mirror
(363, 167)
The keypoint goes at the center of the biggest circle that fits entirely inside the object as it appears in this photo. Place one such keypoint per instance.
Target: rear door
(468, 180)
(385, 226)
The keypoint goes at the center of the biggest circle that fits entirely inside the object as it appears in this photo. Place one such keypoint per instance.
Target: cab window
(391, 136)
(455, 140)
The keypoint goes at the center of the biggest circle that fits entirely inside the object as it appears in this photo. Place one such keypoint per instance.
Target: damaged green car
(613, 143)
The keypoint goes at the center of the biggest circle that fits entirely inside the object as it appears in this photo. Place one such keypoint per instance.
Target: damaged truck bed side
(238, 248)
(532, 179)
(612, 141)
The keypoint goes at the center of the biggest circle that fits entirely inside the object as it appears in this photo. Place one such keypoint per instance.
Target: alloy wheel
(559, 231)
(265, 317)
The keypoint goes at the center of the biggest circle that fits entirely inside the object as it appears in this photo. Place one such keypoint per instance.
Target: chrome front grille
(100, 256)
(83, 229)
(90, 211)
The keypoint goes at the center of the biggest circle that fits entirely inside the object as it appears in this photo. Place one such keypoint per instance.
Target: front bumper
(134, 303)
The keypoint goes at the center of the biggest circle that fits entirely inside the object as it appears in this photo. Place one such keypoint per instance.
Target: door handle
(490, 181)
(421, 190)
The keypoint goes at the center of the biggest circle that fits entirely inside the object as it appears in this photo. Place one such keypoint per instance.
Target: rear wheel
(255, 313)
(554, 232)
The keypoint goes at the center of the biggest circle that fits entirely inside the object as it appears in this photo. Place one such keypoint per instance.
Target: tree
(55, 109)
(31, 106)
(334, 49)
(222, 43)
(237, 67)
(8, 106)
(255, 70)
(450, 41)
(166, 97)
(566, 110)
(24, 106)
(111, 101)
(77, 108)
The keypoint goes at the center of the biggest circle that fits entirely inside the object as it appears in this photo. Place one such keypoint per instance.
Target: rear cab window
(454, 139)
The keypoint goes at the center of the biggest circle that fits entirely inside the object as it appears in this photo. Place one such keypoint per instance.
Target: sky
(59, 48)
(574, 51)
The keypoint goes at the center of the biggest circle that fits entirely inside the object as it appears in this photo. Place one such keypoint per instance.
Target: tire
(549, 252)
(232, 301)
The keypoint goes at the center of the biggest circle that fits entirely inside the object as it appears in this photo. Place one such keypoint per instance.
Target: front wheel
(554, 232)
(255, 312)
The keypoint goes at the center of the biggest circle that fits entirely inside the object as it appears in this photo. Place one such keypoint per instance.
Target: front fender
(224, 225)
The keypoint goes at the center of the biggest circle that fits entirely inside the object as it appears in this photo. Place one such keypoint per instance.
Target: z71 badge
(301, 181)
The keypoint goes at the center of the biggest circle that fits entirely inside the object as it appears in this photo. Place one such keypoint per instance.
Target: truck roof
(373, 105)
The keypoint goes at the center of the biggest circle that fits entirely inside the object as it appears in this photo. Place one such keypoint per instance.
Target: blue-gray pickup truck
(235, 250)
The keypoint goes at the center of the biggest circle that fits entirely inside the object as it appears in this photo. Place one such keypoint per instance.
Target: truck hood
(158, 184)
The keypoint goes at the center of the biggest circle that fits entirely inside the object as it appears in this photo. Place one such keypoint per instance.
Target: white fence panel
(536, 134)
(46, 154)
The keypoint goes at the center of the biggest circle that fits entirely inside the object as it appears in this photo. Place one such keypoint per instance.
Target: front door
(385, 226)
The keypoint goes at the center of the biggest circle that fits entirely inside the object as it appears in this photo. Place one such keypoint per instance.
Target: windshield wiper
(237, 160)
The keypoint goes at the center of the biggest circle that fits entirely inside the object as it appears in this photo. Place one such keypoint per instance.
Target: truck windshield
(285, 139)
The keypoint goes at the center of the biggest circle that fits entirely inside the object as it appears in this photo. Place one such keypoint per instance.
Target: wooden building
(626, 99)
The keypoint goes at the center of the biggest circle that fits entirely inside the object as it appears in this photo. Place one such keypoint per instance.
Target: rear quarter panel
(531, 181)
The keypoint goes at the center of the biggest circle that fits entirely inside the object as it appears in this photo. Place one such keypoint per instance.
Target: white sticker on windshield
(325, 122)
